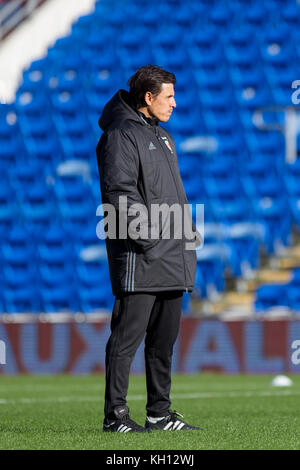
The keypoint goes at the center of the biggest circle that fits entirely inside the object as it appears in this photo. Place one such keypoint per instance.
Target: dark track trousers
(135, 314)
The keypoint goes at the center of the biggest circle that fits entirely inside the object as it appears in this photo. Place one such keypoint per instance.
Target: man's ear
(148, 98)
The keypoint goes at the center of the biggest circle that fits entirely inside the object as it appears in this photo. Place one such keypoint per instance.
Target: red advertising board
(211, 345)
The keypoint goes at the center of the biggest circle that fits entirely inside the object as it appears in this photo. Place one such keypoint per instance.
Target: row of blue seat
(209, 280)
(29, 300)
(219, 13)
(33, 300)
(193, 168)
(273, 54)
(59, 252)
(279, 295)
(28, 185)
(214, 117)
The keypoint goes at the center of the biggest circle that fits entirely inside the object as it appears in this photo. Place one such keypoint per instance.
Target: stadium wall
(31, 40)
(232, 347)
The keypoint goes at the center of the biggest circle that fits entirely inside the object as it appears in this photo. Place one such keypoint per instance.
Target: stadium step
(238, 300)
(264, 276)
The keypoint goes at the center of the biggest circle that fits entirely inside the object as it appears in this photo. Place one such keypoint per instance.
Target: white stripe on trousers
(130, 269)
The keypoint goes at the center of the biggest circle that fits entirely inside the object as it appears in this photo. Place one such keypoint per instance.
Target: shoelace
(124, 418)
(128, 421)
(173, 415)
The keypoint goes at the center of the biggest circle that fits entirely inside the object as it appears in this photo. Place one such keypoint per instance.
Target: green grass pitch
(66, 412)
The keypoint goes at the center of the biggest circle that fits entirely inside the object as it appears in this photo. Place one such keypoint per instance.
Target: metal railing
(288, 125)
(13, 12)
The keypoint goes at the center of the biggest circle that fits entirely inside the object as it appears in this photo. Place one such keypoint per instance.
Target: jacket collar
(149, 121)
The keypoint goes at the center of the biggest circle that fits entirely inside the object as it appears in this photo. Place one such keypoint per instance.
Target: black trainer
(171, 422)
(122, 422)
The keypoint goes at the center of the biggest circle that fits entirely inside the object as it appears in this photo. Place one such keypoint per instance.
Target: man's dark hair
(148, 78)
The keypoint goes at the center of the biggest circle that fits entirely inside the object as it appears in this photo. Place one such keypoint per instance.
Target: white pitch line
(203, 395)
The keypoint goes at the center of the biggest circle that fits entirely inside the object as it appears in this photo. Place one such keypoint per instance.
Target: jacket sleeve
(118, 166)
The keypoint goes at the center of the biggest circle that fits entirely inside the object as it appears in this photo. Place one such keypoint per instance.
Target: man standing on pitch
(137, 159)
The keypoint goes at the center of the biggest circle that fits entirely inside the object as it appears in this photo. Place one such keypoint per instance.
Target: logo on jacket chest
(152, 146)
(165, 140)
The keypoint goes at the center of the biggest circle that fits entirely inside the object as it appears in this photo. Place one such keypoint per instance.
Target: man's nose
(174, 103)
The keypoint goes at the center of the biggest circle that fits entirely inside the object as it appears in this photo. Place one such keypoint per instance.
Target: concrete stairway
(238, 299)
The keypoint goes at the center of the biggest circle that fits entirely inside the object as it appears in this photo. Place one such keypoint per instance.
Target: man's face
(161, 106)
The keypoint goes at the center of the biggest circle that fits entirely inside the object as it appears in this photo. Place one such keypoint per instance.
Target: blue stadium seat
(203, 38)
(102, 83)
(177, 61)
(275, 215)
(76, 128)
(293, 294)
(265, 143)
(34, 77)
(45, 152)
(64, 81)
(291, 178)
(295, 279)
(183, 16)
(22, 300)
(244, 242)
(276, 33)
(294, 206)
(32, 105)
(167, 38)
(19, 273)
(269, 185)
(59, 299)
(186, 304)
(231, 211)
(37, 205)
(242, 56)
(206, 61)
(55, 245)
(221, 122)
(278, 56)
(88, 238)
(213, 233)
(245, 77)
(9, 128)
(9, 152)
(189, 166)
(291, 14)
(68, 104)
(185, 125)
(228, 188)
(58, 272)
(219, 168)
(220, 15)
(211, 262)
(256, 15)
(93, 273)
(36, 128)
(96, 298)
(22, 177)
(9, 210)
(270, 295)
(17, 246)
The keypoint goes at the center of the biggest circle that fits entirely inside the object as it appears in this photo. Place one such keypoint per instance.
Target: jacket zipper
(159, 140)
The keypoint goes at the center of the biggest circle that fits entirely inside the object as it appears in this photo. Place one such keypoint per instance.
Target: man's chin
(165, 119)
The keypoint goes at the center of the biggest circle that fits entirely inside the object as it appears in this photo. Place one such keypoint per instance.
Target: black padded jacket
(137, 158)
